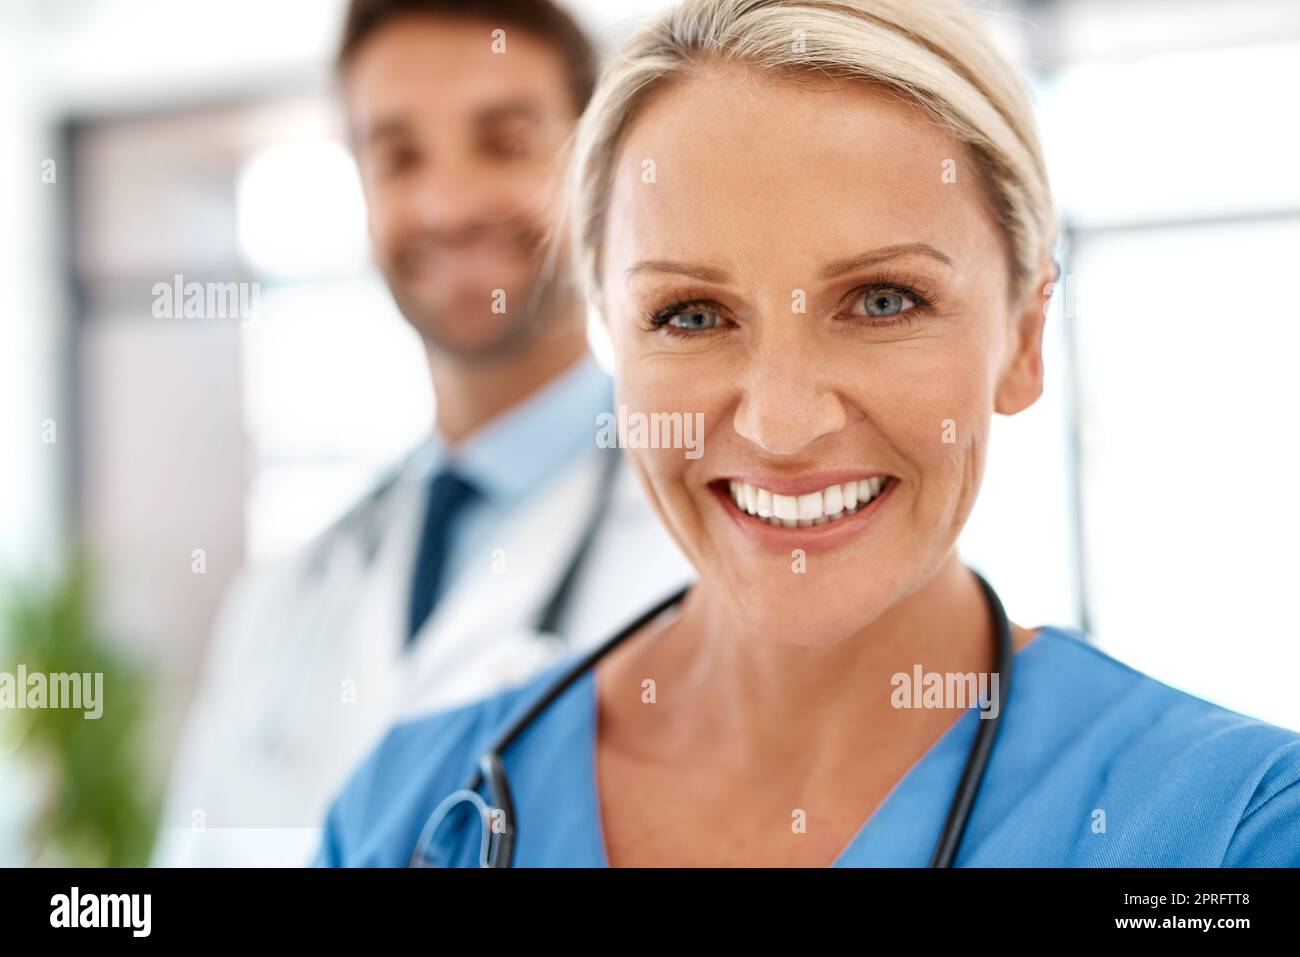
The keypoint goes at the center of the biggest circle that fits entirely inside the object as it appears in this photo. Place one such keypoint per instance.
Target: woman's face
(813, 272)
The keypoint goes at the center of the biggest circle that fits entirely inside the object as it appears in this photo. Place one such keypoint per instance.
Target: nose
(786, 402)
(453, 196)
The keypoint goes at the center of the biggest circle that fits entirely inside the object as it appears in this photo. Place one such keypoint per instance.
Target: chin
(809, 608)
(462, 332)
(477, 341)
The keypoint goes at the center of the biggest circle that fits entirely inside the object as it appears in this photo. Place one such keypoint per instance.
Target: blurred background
(1146, 498)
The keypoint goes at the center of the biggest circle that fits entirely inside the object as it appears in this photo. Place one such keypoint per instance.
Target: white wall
(31, 311)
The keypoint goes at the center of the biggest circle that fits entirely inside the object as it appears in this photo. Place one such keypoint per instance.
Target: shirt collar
(513, 453)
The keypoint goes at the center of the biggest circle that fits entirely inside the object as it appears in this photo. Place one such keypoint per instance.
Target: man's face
(460, 150)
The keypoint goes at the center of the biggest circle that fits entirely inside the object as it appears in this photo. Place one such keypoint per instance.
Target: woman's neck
(754, 705)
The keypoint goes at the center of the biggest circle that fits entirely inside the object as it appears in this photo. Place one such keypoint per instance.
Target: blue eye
(687, 318)
(883, 303)
(691, 320)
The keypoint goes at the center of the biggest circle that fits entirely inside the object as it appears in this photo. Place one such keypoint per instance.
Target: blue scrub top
(1181, 782)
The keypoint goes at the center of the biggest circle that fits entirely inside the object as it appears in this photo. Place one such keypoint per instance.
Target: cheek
(672, 390)
(932, 400)
(388, 216)
(528, 196)
(692, 396)
(525, 189)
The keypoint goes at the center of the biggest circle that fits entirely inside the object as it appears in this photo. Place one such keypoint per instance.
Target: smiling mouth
(825, 507)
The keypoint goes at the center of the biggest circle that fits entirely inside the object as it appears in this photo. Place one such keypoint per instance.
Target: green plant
(99, 806)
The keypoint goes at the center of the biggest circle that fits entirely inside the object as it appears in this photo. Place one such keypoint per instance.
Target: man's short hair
(542, 19)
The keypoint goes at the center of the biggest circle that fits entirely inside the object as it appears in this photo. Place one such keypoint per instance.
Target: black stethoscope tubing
(492, 770)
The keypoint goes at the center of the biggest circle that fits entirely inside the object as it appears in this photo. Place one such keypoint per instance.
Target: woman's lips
(818, 512)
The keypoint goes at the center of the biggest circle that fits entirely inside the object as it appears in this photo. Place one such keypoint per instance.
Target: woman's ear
(1021, 382)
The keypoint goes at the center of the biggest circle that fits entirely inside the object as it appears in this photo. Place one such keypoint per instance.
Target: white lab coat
(307, 668)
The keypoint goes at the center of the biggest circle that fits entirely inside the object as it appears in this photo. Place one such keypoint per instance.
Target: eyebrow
(841, 266)
(510, 110)
(702, 272)
(716, 274)
(391, 128)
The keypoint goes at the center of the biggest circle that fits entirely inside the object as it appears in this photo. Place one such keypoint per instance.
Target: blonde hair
(934, 52)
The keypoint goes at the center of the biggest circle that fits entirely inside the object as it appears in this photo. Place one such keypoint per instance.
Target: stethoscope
(363, 529)
(497, 812)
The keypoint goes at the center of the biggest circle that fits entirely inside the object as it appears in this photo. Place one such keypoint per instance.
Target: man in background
(509, 527)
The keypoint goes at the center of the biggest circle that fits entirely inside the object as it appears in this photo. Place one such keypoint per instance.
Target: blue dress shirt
(515, 454)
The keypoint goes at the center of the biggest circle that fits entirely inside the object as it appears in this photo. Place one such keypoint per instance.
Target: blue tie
(448, 495)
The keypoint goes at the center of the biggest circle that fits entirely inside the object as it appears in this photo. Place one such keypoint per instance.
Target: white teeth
(802, 511)
(850, 495)
(810, 506)
(785, 507)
